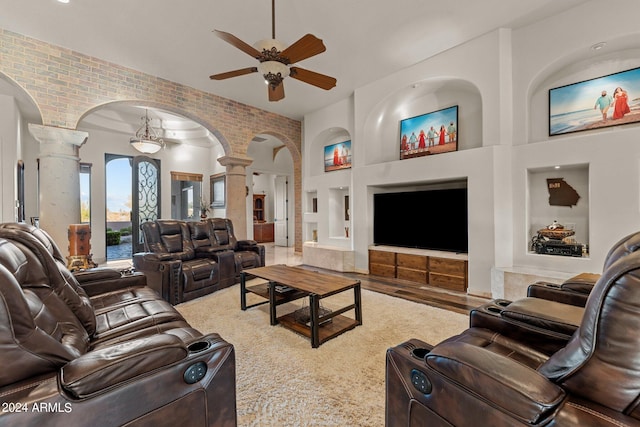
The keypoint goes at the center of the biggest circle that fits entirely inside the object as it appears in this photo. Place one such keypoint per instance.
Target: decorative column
(59, 180)
(236, 192)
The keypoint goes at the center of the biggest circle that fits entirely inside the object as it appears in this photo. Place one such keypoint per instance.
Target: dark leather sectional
(100, 347)
(186, 260)
(540, 363)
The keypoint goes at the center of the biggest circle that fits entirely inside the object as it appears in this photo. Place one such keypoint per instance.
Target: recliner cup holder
(502, 302)
(493, 309)
(199, 346)
(420, 353)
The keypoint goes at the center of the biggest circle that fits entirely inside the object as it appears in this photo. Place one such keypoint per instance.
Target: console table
(434, 268)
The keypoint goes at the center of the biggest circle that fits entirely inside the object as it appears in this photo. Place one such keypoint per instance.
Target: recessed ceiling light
(63, 1)
(598, 46)
(557, 167)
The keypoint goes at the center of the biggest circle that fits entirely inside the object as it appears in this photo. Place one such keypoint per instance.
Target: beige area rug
(282, 381)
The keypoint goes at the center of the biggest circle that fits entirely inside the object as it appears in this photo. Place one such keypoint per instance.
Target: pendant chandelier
(146, 140)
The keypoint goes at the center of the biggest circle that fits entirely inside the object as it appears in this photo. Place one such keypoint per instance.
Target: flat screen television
(425, 219)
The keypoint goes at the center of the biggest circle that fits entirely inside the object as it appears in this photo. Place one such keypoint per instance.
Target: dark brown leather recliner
(170, 259)
(248, 254)
(482, 377)
(576, 289)
(119, 357)
(191, 259)
(550, 314)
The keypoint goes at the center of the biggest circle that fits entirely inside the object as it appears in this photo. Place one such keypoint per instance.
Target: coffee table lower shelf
(326, 331)
(262, 290)
(321, 325)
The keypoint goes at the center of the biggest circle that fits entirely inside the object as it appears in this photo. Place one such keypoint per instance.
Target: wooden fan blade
(313, 78)
(276, 93)
(236, 42)
(308, 46)
(234, 73)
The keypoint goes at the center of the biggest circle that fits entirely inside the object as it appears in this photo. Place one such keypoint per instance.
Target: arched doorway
(270, 183)
(189, 150)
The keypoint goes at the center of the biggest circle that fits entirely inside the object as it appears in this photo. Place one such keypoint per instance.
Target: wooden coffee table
(321, 325)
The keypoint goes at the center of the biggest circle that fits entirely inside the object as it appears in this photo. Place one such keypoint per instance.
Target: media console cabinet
(441, 269)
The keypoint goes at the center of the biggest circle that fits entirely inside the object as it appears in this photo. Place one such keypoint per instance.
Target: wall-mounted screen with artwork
(431, 133)
(337, 156)
(597, 103)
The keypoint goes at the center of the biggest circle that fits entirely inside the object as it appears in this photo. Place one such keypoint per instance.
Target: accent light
(272, 70)
(146, 139)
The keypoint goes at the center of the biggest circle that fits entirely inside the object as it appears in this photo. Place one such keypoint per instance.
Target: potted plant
(205, 207)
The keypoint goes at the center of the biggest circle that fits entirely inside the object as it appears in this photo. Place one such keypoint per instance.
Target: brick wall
(66, 85)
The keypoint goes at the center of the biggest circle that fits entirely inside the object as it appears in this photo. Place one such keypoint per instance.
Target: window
(217, 183)
(85, 193)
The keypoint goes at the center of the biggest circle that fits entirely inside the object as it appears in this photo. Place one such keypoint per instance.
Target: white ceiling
(365, 39)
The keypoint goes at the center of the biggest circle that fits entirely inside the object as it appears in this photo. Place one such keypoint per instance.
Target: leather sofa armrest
(163, 274)
(556, 292)
(99, 273)
(544, 314)
(514, 388)
(102, 280)
(150, 260)
(247, 244)
(252, 245)
(101, 369)
(582, 283)
(208, 251)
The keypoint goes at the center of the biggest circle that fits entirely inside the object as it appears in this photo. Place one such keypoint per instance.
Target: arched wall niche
(329, 136)
(382, 125)
(619, 54)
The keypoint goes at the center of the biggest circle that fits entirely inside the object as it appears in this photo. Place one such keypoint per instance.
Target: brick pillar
(236, 200)
(59, 180)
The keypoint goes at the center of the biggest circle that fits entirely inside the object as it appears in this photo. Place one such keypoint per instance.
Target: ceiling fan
(276, 60)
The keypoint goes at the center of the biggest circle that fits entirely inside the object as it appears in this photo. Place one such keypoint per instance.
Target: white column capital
(235, 161)
(54, 135)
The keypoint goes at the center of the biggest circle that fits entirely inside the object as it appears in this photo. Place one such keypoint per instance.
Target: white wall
(501, 82)
(377, 108)
(550, 54)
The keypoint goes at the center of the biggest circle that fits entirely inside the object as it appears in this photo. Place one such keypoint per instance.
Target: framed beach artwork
(601, 102)
(431, 133)
(337, 156)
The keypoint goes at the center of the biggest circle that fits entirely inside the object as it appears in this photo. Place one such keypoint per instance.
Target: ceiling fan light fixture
(146, 140)
(269, 47)
(273, 71)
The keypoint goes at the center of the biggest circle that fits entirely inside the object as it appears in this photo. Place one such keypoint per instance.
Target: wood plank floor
(449, 300)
